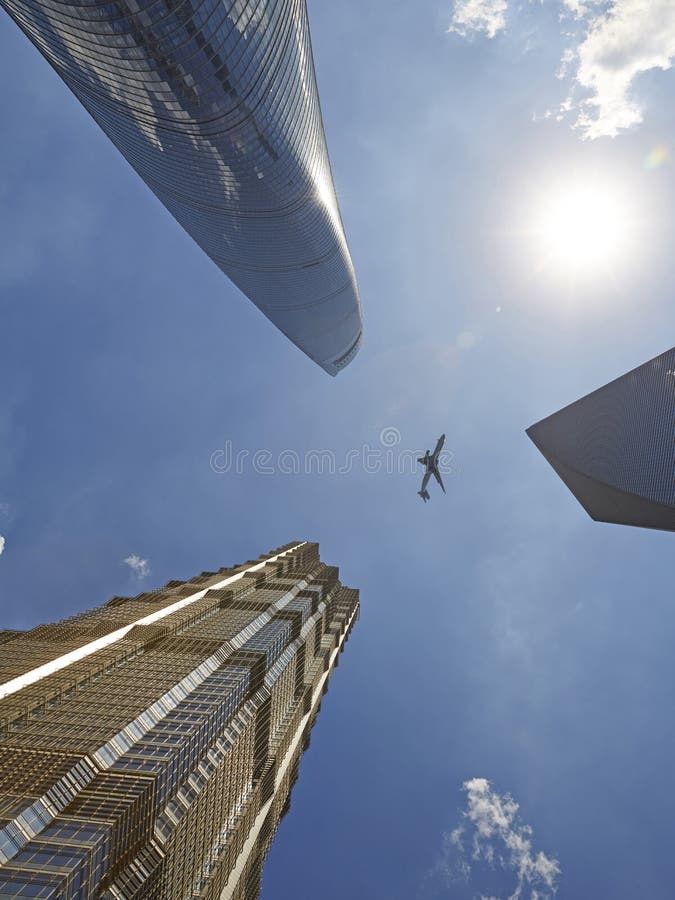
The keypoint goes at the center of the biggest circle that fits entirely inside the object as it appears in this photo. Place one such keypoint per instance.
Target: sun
(583, 229)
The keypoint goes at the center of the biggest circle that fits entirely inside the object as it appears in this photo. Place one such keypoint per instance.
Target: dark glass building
(615, 448)
(215, 104)
(148, 747)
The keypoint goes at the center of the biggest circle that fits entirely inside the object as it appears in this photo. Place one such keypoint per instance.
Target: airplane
(430, 463)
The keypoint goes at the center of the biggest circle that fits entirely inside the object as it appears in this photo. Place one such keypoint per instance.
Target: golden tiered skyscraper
(148, 747)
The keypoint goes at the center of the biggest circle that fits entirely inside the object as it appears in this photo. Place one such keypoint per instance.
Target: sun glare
(583, 230)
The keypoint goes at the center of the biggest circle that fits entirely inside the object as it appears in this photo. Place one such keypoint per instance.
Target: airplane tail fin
(424, 495)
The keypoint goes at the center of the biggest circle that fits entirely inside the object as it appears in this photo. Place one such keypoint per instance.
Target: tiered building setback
(148, 747)
(215, 105)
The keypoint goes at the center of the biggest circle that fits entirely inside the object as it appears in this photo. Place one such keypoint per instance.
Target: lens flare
(656, 157)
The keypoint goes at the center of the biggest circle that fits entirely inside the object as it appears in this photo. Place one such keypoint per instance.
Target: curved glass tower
(215, 104)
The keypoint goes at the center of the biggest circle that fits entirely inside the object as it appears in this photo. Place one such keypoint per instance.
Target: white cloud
(482, 16)
(634, 36)
(456, 837)
(5, 515)
(492, 834)
(609, 44)
(565, 63)
(579, 8)
(140, 567)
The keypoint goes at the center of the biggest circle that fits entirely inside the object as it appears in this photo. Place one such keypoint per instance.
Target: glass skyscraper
(215, 104)
(148, 747)
(615, 448)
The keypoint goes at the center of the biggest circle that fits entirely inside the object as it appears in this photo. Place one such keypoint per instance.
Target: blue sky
(508, 646)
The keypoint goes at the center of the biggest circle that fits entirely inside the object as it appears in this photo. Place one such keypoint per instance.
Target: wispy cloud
(479, 16)
(579, 8)
(5, 516)
(140, 567)
(492, 837)
(609, 44)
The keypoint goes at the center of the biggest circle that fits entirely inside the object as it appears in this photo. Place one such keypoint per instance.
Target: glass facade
(159, 765)
(615, 448)
(215, 104)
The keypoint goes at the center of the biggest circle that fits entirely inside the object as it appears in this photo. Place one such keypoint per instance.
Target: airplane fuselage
(430, 463)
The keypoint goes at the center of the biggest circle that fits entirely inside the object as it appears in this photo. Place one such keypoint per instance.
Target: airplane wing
(439, 447)
(425, 481)
(437, 476)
